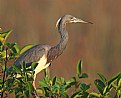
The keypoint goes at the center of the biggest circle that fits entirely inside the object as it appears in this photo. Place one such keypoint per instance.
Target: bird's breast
(53, 53)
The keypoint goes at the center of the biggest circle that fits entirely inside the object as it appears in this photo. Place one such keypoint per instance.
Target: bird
(44, 54)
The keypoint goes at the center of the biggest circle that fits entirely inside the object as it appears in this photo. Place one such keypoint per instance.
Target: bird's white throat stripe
(58, 22)
(41, 64)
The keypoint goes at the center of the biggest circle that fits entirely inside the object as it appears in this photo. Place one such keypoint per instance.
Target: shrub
(55, 87)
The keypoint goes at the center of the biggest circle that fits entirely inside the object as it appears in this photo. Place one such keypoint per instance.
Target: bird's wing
(33, 54)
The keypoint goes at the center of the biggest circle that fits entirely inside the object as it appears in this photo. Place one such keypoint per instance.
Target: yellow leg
(35, 94)
(34, 85)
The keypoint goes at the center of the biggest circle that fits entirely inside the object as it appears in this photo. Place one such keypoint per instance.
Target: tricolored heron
(45, 54)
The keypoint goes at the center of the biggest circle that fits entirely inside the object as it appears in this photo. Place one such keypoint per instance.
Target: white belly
(41, 64)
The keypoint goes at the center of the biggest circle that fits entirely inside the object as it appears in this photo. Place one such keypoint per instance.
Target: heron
(44, 54)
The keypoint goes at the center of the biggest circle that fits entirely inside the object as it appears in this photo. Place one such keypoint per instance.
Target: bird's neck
(64, 37)
(57, 50)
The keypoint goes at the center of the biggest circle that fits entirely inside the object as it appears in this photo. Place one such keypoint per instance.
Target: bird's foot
(35, 94)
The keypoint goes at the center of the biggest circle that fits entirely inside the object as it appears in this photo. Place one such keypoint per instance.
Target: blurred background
(99, 45)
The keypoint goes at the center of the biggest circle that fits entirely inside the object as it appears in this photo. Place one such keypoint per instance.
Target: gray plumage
(45, 54)
(32, 55)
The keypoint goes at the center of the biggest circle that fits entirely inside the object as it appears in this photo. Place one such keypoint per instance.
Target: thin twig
(4, 74)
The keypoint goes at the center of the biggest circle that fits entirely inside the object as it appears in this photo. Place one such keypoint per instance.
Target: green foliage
(10, 82)
(49, 87)
(59, 87)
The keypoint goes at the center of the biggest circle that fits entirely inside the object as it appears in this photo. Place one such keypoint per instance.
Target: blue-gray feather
(32, 55)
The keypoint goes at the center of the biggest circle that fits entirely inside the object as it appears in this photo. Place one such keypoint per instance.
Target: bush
(55, 87)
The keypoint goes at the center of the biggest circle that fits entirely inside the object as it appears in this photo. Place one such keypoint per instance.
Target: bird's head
(70, 19)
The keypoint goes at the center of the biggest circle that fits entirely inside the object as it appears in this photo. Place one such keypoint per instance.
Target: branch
(4, 74)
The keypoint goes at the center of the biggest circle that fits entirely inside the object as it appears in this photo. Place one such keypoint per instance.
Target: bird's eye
(71, 18)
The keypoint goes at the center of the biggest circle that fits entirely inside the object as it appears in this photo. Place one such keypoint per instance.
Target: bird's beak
(80, 20)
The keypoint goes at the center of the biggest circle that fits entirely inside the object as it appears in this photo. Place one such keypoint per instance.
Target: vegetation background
(99, 45)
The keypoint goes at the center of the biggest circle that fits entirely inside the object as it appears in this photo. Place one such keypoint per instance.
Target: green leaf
(34, 65)
(19, 96)
(113, 79)
(56, 86)
(1, 47)
(17, 69)
(64, 94)
(30, 79)
(114, 86)
(4, 35)
(119, 83)
(46, 92)
(70, 83)
(3, 67)
(8, 72)
(9, 45)
(83, 75)
(75, 94)
(61, 80)
(10, 82)
(16, 48)
(54, 80)
(26, 92)
(26, 48)
(67, 86)
(84, 95)
(46, 73)
(20, 81)
(73, 79)
(24, 66)
(79, 67)
(3, 54)
(43, 83)
(84, 87)
(102, 77)
(94, 95)
(100, 85)
(17, 90)
(106, 90)
(30, 87)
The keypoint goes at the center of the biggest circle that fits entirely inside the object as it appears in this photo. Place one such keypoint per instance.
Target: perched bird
(45, 54)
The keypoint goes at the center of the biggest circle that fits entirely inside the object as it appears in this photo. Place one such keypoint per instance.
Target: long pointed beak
(82, 21)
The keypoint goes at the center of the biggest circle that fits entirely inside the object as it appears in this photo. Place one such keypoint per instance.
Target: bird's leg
(34, 85)
(35, 94)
